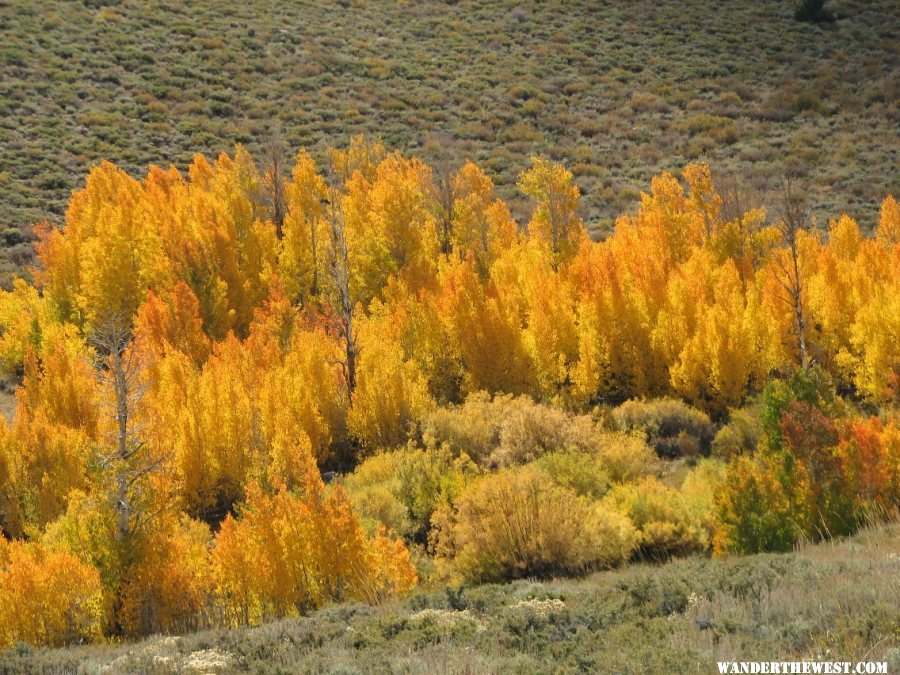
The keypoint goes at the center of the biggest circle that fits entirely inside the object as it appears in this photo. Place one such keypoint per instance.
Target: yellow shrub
(699, 491)
(666, 524)
(506, 430)
(518, 523)
(740, 435)
(626, 456)
(673, 428)
(580, 472)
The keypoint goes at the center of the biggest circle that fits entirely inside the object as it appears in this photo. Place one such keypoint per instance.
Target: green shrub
(673, 428)
(374, 487)
(429, 479)
(401, 489)
(755, 511)
(812, 386)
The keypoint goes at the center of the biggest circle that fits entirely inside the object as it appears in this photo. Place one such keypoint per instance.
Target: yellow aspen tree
(234, 249)
(415, 322)
(745, 241)
(703, 201)
(98, 266)
(481, 226)
(391, 395)
(47, 598)
(362, 156)
(172, 322)
(875, 337)
(49, 442)
(167, 589)
(555, 219)
(98, 206)
(218, 429)
(288, 553)
(621, 287)
(302, 260)
(485, 332)
(665, 210)
(716, 358)
(888, 231)
(526, 279)
(835, 299)
(391, 227)
(303, 397)
(25, 315)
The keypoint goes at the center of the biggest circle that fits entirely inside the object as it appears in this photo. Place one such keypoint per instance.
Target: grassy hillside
(617, 91)
(835, 601)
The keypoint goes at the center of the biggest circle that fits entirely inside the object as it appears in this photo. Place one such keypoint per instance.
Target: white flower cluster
(541, 607)
(447, 618)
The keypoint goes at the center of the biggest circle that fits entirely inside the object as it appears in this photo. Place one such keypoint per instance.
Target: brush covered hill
(618, 92)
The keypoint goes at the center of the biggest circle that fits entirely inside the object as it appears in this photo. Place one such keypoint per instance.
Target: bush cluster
(673, 428)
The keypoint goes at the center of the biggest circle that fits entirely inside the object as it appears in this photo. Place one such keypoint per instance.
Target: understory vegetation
(245, 394)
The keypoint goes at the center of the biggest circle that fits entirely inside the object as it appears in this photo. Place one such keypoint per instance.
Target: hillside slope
(617, 91)
(836, 601)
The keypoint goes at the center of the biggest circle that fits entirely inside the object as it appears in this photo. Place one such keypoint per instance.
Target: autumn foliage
(193, 352)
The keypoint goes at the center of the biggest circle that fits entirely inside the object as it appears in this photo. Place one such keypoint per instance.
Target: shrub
(721, 129)
(812, 386)
(580, 472)
(428, 479)
(473, 427)
(626, 456)
(529, 429)
(666, 523)
(673, 428)
(824, 479)
(402, 489)
(755, 510)
(813, 11)
(699, 490)
(810, 440)
(741, 434)
(518, 523)
(507, 430)
(374, 488)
